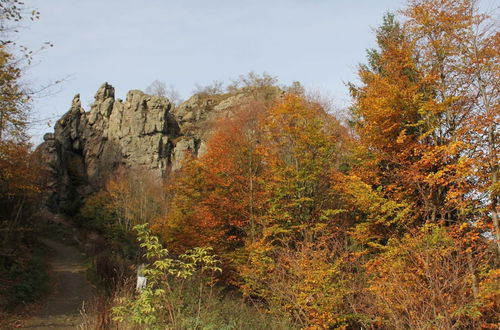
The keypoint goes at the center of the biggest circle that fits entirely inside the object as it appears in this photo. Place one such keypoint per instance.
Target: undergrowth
(181, 293)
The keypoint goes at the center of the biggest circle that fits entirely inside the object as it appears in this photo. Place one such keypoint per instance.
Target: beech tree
(219, 196)
(427, 110)
(13, 100)
(14, 97)
(135, 196)
(18, 169)
(293, 262)
(301, 144)
(458, 51)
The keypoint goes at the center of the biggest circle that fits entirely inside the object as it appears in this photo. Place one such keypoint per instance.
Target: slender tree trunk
(475, 282)
(494, 181)
(251, 206)
(1, 124)
(493, 161)
(492, 152)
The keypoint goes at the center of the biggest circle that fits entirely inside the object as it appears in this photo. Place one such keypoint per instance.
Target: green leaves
(153, 306)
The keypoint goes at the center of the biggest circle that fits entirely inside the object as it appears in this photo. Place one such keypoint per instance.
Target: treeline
(389, 221)
(23, 274)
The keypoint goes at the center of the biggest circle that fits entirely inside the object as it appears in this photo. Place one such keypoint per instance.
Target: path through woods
(70, 290)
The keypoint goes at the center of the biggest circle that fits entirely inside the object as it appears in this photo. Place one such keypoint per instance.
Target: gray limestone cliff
(143, 131)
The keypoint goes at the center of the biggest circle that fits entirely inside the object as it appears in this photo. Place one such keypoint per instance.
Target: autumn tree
(387, 116)
(14, 96)
(135, 197)
(424, 281)
(309, 282)
(301, 145)
(130, 196)
(219, 196)
(17, 179)
(426, 115)
(13, 100)
(417, 109)
(458, 51)
(17, 173)
(19, 170)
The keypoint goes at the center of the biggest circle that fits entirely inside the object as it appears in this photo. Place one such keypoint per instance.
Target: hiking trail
(70, 289)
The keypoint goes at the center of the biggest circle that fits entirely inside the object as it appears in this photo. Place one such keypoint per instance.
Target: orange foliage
(390, 228)
(419, 108)
(136, 196)
(301, 146)
(18, 171)
(218, 197)
(425, 280)
(309, 281)
(19, 190)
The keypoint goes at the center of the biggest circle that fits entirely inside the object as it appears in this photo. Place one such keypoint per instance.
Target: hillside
(259, 204)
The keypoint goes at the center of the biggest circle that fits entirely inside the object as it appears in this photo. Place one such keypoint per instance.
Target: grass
(214, 309)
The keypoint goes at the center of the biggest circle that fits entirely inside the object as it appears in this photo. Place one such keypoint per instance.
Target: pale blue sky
(130, 43)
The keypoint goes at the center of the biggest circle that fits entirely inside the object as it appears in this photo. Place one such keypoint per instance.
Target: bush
(96, 213)
(309, 283)
(70, 207)
(29, 279)
(425, 280)
(181, 294)
(219, 310)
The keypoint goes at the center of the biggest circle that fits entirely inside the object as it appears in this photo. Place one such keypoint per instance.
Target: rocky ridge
(144, 131)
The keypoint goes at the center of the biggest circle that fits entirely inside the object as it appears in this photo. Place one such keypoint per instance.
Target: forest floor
(70, 289)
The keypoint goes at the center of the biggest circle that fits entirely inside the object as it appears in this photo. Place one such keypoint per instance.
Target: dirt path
(70, 290)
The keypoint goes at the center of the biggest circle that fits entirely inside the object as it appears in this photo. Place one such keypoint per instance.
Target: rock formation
(142, 131)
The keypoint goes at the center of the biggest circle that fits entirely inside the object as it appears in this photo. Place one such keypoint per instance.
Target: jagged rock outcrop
(87, 146)
(142, 131)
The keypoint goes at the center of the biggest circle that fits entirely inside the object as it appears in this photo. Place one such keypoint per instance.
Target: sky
(129, 44)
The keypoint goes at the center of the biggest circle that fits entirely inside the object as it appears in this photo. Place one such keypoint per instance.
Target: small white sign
(141, 279)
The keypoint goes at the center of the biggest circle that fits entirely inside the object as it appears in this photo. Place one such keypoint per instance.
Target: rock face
(87, 146)
(142, 131)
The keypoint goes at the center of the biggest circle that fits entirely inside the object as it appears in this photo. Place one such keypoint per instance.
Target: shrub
(181, 294)
(29, 279)
(424, 281)
(95, 212)
(157, 304)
